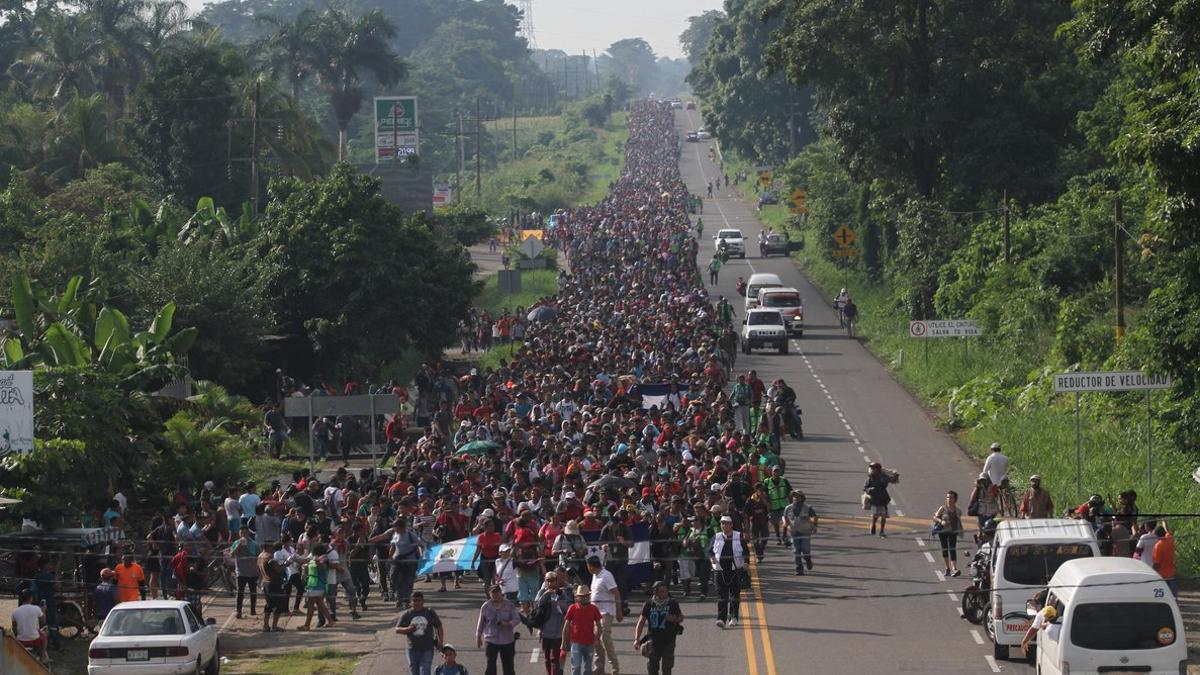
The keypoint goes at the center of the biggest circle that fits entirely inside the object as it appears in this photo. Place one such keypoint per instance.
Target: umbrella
(477, 448)
(611, 482)
(542, 314)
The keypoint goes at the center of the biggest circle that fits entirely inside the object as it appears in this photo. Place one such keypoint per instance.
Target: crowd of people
(613, 419)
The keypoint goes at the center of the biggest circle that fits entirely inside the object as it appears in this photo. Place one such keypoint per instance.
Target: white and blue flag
(450, 556)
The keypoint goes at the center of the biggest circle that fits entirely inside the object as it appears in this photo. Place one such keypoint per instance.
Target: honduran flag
(655, 394)
(450, 556)
(641, 567)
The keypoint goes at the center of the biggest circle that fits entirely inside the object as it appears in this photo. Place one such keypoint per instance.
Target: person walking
(663, 619)
(497, 619)
(714, 270)
(1162, 558)
(947, 525)
(800, 524)
(314, 588)
(778, 489)
(550, 633)
(581, 628)
(740, 399)
(271, 573)
(728, 557)
(423, 628)
(105, 594)
(606, 597)
(984, 503)
(245, 555)
(1036, 501)
(877, 496)
(405, 553)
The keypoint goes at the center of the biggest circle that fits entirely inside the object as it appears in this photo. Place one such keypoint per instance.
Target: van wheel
(999, 651)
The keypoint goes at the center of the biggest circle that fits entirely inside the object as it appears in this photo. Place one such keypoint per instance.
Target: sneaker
(808, 563)
(881, 534)
(721, 623)
(947, 571)
(799, 572)
(956, 573)
(733, 621)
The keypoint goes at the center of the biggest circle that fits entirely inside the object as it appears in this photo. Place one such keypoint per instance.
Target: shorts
(34, 644)
(879, 510)
(314, 593)
(527, 586)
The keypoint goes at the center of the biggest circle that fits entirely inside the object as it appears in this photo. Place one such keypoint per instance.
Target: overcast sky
(575, 25)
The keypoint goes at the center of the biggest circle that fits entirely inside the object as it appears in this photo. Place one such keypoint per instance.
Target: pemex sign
(396, 127)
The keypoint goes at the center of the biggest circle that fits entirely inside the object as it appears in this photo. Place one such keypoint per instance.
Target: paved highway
(871, 605)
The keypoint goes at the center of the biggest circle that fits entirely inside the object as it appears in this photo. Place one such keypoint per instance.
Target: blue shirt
(456, 669)
(106, 598)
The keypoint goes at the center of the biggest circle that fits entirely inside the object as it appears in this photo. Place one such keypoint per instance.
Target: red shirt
(583, 620)
(489, 544)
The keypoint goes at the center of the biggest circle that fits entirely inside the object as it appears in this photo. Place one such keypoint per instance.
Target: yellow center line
(756, 588)
(751, 652)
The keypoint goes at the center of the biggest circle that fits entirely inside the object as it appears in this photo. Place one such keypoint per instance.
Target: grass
(535, 284)
(263, 469)
(1035, 427)
(324, 661)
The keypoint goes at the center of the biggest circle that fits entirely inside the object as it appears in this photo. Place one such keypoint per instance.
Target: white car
(764, 328)
(154, 637)
(703, 134)
(735, 243)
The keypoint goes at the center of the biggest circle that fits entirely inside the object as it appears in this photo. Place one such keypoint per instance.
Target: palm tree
(346, 48)
(62, 61)
(81, 137)
(117, 26)
(288, 50)
(162, 20)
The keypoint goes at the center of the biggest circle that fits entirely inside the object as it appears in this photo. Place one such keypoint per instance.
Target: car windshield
(730, 234)
(1034, 564)
(1123, 626)
(781, 300)
(148, 621)
(765, 319)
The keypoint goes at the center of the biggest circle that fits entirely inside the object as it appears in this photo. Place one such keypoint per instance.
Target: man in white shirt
(606, 595)
(27, 620)
(233, 511)
(996, 466)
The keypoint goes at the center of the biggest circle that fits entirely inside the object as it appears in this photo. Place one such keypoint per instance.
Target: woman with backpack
(549, 612)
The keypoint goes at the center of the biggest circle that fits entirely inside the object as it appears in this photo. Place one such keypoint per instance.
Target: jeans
(802, 545)
(664, 658)
(581, 658)
(243, 583)
(420, 661)
(506, 654)
(404, 573)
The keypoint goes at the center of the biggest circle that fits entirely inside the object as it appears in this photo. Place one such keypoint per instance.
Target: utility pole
(791, 124)
(478, 152)
(254, 149)
(514, 121)
(1120, 261)
(596, 64)
(587, 78)
(1007, 240)
(461, 154)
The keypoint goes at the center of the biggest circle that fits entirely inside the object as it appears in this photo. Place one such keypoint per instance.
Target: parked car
(775, 243)
(768, 197)
(676, 105)
(692, 137)
(735, 244)
(764, 328)
(154, 637)
(691, 105)
(703, 134)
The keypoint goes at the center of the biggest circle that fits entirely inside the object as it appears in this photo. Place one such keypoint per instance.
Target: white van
(789, 304)
(1025, 555)
(758, 282)
(1116, 615)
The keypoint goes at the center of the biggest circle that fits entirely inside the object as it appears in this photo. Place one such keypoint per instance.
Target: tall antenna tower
(526, 7)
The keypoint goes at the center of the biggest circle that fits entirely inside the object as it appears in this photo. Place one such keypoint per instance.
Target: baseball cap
(448, 648)
(726, 519)
(569, 495)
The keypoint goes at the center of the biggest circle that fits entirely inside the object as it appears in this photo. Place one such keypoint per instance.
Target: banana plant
(210, 219)
(69, 330)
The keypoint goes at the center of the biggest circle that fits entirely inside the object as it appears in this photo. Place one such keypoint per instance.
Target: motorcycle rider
(784, 398)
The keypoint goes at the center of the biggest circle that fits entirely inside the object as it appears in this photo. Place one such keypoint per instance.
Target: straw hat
(581, 590)
(571, 528)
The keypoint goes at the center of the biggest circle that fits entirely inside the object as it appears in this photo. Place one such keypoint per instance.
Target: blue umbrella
(542, 314)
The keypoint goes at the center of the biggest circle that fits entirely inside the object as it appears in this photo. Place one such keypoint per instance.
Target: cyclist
(839, 301)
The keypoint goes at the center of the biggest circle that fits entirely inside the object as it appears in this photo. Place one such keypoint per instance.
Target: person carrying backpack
(549, 612)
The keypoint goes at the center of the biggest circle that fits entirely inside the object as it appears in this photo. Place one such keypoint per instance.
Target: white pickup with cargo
(1025, 555)
(1115, 615)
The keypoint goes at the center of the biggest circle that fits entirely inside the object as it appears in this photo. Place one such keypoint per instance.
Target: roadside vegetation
(999, 198)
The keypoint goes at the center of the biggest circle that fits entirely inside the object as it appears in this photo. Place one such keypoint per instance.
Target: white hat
(715, 487)
(208, 485)
(488, 513)
(726, 519)
(569, 495)
(505, 547)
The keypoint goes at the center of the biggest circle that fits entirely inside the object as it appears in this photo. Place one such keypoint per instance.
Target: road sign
(846, 252)
(943, 329)
(321, 406)
(396, 127)
(1110, 381)
(16, 411)
(442, 194)
(532, 247)
(799, 201)
(844, 236)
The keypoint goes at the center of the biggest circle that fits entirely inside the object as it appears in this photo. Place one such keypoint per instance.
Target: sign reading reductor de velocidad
(1110, 381)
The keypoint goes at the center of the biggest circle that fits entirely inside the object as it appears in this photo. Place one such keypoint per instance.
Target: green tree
(62, 59)
(634, 61)
(288, 49)
(82, 137)
(694, 39)
(179, 135)
(355, 281)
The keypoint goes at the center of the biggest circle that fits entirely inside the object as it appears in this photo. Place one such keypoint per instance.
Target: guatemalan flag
(450, 556)
(641, 567)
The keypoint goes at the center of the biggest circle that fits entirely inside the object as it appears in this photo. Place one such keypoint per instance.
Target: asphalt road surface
(871, 605)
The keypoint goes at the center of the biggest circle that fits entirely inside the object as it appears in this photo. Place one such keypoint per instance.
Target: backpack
(540, 614)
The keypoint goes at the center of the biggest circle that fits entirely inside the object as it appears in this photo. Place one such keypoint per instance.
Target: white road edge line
(533, 656)
(867, 460)
(928, 556)
(920, 542)
(899, 513)
(862, 451)
(953, 596)
(991, 661)
(976, 636)
(940, 575)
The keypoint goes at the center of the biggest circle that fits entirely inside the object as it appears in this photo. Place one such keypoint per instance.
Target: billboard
(396, 127)
(16, 411)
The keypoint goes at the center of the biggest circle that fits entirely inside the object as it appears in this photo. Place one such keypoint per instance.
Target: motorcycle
(976, 596)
